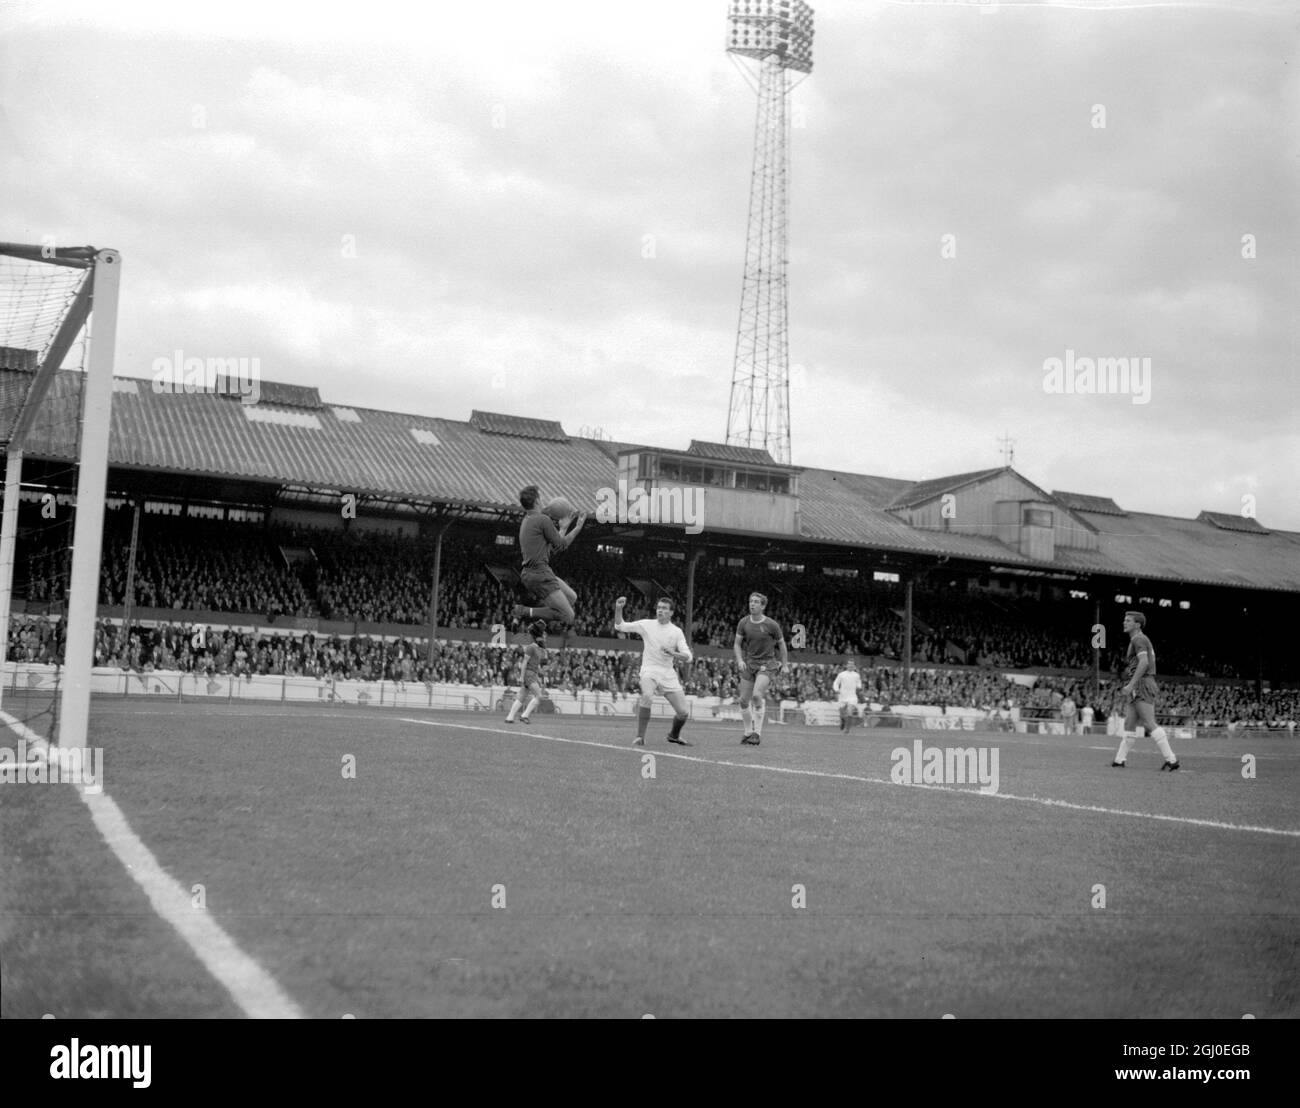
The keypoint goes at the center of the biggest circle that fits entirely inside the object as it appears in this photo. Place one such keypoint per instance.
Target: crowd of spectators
(381, 578)
(39, 641)
(192, 648)
(203, 568)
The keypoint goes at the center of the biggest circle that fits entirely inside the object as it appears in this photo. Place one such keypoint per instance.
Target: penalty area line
(254, 990)
(1044, 801)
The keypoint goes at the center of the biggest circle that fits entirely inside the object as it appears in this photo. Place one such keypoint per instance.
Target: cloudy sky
(540, 208)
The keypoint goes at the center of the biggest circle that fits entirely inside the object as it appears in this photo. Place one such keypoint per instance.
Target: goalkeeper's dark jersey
(538, 540)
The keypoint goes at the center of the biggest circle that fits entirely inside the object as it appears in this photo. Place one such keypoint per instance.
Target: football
(559, 509)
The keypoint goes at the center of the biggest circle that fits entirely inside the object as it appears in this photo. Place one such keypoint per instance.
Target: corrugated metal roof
(1226, 521)
(613, 448)
(498, 423)
(210, 435)
(1189, 550)
(54, 426)
(725, 452)
(851, 508)
(15, 357)
(923, 491)
(204, 433)
(1084, 502)
(14, 386)
(277, 392)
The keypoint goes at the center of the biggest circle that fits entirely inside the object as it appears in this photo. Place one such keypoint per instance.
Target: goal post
(43, 320)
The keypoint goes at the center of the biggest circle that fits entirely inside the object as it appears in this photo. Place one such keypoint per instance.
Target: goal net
(58, 316)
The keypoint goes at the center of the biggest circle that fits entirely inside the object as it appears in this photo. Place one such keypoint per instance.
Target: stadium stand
(242, 526)
(173, 647)
(385, 579)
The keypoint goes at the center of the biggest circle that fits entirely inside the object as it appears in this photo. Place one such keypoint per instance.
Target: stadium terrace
(302, 517)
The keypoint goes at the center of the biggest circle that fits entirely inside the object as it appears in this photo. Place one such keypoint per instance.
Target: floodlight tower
(778, 35)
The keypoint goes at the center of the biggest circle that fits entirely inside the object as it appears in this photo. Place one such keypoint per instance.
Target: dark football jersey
(535, 657)
(1138, 645)
(758, 640)
(538, 539)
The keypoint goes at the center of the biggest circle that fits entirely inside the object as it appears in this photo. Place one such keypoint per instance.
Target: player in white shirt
(1069, 714)
(664, 644)
(847, 683)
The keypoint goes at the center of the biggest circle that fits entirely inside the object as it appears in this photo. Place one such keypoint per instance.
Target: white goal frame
(97, 299)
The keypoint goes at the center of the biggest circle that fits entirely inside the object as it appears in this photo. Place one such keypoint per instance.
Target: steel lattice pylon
(778, 34)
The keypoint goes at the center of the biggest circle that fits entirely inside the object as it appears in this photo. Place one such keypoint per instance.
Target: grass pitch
(472, 868)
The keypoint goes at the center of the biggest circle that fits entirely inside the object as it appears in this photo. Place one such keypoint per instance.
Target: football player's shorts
(539, 582)
(751, 678)
(1146, 690)
(664, 680)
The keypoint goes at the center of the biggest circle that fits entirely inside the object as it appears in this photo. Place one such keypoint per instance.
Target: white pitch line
(253, 989)
(1047, 802)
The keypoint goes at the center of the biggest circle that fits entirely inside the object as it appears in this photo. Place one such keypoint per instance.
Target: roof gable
(522, 427)
(924, 491)
(1083, 502)
(726, 452)
(1226, 521)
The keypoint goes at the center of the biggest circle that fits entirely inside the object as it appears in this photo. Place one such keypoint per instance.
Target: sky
(541, 209)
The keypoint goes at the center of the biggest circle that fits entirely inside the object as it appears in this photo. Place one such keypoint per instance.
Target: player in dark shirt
(758, 637)
(539, 538)
(530, 675)
(1140, 691)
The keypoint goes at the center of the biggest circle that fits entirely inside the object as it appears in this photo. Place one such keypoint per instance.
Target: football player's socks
(760, 713)
(678, 723)
(642, 721)
(532, 704)
(746, 719)
(514, 711)
(1162, 741)
(1125, 744)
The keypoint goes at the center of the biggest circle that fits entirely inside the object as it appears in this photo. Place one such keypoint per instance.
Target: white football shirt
(660, 639)
(847, 684)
